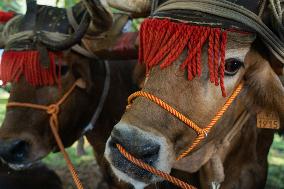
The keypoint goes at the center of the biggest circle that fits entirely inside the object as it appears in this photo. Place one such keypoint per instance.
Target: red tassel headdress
(163, 41)
(34, 43)
(15, 64)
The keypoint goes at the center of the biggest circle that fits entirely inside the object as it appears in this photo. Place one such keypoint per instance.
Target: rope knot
(53, 109)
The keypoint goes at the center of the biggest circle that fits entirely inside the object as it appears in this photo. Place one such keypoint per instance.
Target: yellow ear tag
(268, 120)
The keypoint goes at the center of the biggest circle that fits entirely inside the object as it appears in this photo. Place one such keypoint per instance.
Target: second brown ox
(25, 135)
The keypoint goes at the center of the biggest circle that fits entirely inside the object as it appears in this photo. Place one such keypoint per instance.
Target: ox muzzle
(150, 148)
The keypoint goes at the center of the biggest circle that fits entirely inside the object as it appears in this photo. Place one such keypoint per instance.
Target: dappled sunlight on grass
(277, 161)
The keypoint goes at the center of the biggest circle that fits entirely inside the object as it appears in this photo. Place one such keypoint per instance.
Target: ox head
(178, 55)
(38, 49)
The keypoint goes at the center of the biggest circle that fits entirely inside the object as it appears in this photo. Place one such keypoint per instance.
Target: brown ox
(25, 135)
(234, 154)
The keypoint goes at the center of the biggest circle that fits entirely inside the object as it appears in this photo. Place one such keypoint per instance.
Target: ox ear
(81, 70)
(139, 75)
(264, 86)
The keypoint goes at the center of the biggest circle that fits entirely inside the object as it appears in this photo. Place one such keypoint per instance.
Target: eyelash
(232, 66)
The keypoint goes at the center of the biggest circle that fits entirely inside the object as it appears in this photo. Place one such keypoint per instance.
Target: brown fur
(199, 100)
(33, 125)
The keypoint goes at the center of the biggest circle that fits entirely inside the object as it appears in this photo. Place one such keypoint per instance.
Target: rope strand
(152, 170)
(202, 132)
(53, 110)
(167, 107)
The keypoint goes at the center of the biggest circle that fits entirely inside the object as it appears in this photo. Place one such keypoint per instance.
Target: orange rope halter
(147, 167)
(202, 132)
(53, 110)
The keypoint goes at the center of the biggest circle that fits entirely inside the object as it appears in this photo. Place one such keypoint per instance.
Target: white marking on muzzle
(165, 157)
(17, 167)
(124, 177)
(215, 185)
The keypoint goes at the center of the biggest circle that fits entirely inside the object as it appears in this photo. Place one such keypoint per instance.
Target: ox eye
(63, 69)
(232, 66)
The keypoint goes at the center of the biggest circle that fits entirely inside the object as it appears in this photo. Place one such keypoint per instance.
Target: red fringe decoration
(163, 41)
(5, 16)
(14, 64)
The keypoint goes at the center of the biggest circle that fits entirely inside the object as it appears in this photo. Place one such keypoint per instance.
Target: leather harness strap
(102, 100)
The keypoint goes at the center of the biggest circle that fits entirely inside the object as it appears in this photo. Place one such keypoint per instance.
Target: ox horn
(29, 21)
(70, 41)
(101, 15)
(97, 19)
(134, 6)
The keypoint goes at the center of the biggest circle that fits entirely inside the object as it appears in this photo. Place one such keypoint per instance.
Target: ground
(90, 175)
(87, 168)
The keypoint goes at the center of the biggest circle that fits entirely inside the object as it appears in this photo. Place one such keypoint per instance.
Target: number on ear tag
(268, 120)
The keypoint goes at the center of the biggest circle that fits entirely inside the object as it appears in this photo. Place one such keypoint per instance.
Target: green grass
(3, 101)
(56, 160)
(2, 109)
(276, 164)
(276, 155)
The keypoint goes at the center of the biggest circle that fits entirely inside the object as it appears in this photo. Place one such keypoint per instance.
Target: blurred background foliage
(20, 7)
(10, 5)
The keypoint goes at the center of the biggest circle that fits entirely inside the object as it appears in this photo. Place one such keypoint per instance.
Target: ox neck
(212, 149)
(102, 99)
(97, 92)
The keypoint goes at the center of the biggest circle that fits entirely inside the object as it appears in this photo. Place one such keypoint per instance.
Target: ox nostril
(14, 151)
(149, 151)
(19, 148)
(137, 145)
(140, 145)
